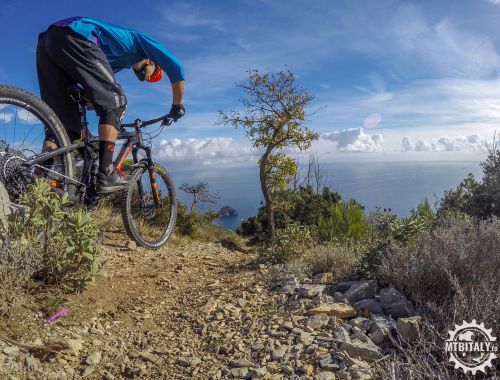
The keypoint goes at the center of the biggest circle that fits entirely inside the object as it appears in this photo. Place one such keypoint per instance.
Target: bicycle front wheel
(150, 208)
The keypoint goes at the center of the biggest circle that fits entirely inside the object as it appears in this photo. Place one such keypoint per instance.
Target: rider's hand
(177, 111)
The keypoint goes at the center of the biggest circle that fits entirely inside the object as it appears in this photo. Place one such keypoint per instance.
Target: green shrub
(451, 272)
(253, 227)
(18, 263)
(208, 231)
(381, 222)
(385, 227)
(303, 206)
(486, 196)
(345, 222)
(480, 199)
(65, 241)
(373, 256)
(186, 222)
(342, 260)
(198, 226)
(459, 200)
(232, 241)
(420, 219)
(288, 243)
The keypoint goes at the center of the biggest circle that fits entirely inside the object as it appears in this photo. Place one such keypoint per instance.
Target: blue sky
(393, 80)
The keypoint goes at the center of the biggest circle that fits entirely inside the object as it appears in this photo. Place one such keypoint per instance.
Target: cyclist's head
(147, 70)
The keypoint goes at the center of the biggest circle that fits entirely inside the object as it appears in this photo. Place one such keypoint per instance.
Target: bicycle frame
(132, 144)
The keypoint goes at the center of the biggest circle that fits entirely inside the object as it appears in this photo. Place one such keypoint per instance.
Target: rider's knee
(49, 144)
(113, 117)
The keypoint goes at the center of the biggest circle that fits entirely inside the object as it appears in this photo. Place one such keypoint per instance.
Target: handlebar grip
(167, 120)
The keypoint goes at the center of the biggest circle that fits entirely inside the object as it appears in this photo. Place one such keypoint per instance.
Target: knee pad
(114, 117)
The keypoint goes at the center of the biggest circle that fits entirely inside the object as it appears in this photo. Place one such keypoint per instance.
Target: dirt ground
(147, 316)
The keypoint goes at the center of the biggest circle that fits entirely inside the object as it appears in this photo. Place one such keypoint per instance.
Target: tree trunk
(265, 193)
(193, 207)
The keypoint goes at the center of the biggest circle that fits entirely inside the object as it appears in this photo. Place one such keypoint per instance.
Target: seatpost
(83, 120)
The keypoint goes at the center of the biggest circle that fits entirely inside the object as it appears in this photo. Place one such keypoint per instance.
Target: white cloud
(206, 151)
(496, 2)
(6, 117)
(471, 143)
(355, 140)
(407, 144)
(403, 41)
(26, 117)
(422, 109)
(410, 43)
(424, 146)
(185, 15)
(22, 116)
(448, 50)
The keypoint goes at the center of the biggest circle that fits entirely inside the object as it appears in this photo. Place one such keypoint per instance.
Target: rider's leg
(107, 139)
(54, 82)
(87, 64)
(108, 180)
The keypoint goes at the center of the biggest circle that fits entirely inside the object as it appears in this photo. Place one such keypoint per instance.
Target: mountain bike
(148, 205)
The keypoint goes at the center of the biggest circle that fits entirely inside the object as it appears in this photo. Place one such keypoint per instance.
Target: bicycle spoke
(150, 219)
(4, 129)
(23, 138)
(15, 127)
(26, 135)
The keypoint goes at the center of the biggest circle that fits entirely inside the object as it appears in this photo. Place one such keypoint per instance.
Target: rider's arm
(155, 51)
(177, 92)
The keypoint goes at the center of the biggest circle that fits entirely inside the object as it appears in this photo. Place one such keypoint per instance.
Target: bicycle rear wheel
(24, 118)
(150, 208)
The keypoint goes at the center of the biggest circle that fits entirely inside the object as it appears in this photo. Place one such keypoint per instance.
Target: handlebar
(138, 123)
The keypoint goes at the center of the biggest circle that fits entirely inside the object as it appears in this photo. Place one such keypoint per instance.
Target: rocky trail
(195, 310)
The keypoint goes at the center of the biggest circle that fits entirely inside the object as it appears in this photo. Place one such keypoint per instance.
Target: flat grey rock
(394, 303)
(360, 290)
(311, 290)
(373, 306)
(288, 285)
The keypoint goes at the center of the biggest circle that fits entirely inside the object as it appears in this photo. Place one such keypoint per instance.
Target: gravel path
(195, 310)
(148, 317)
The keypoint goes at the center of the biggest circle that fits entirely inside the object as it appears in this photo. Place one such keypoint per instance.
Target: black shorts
(65, 58)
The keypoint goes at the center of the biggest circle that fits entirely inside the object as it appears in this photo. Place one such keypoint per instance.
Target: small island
(228, 211)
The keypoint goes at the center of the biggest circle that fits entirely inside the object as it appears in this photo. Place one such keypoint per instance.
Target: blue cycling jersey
(124, 47)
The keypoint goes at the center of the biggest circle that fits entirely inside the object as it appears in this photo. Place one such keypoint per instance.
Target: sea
(398, 186)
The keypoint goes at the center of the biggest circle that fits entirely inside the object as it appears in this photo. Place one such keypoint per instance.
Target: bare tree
(200, 193)
(311, 174)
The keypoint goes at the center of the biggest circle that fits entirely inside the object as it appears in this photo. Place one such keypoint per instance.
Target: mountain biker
(88, 52)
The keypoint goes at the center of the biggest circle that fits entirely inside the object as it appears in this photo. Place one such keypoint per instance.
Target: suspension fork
(139, 183)
(152, 175)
